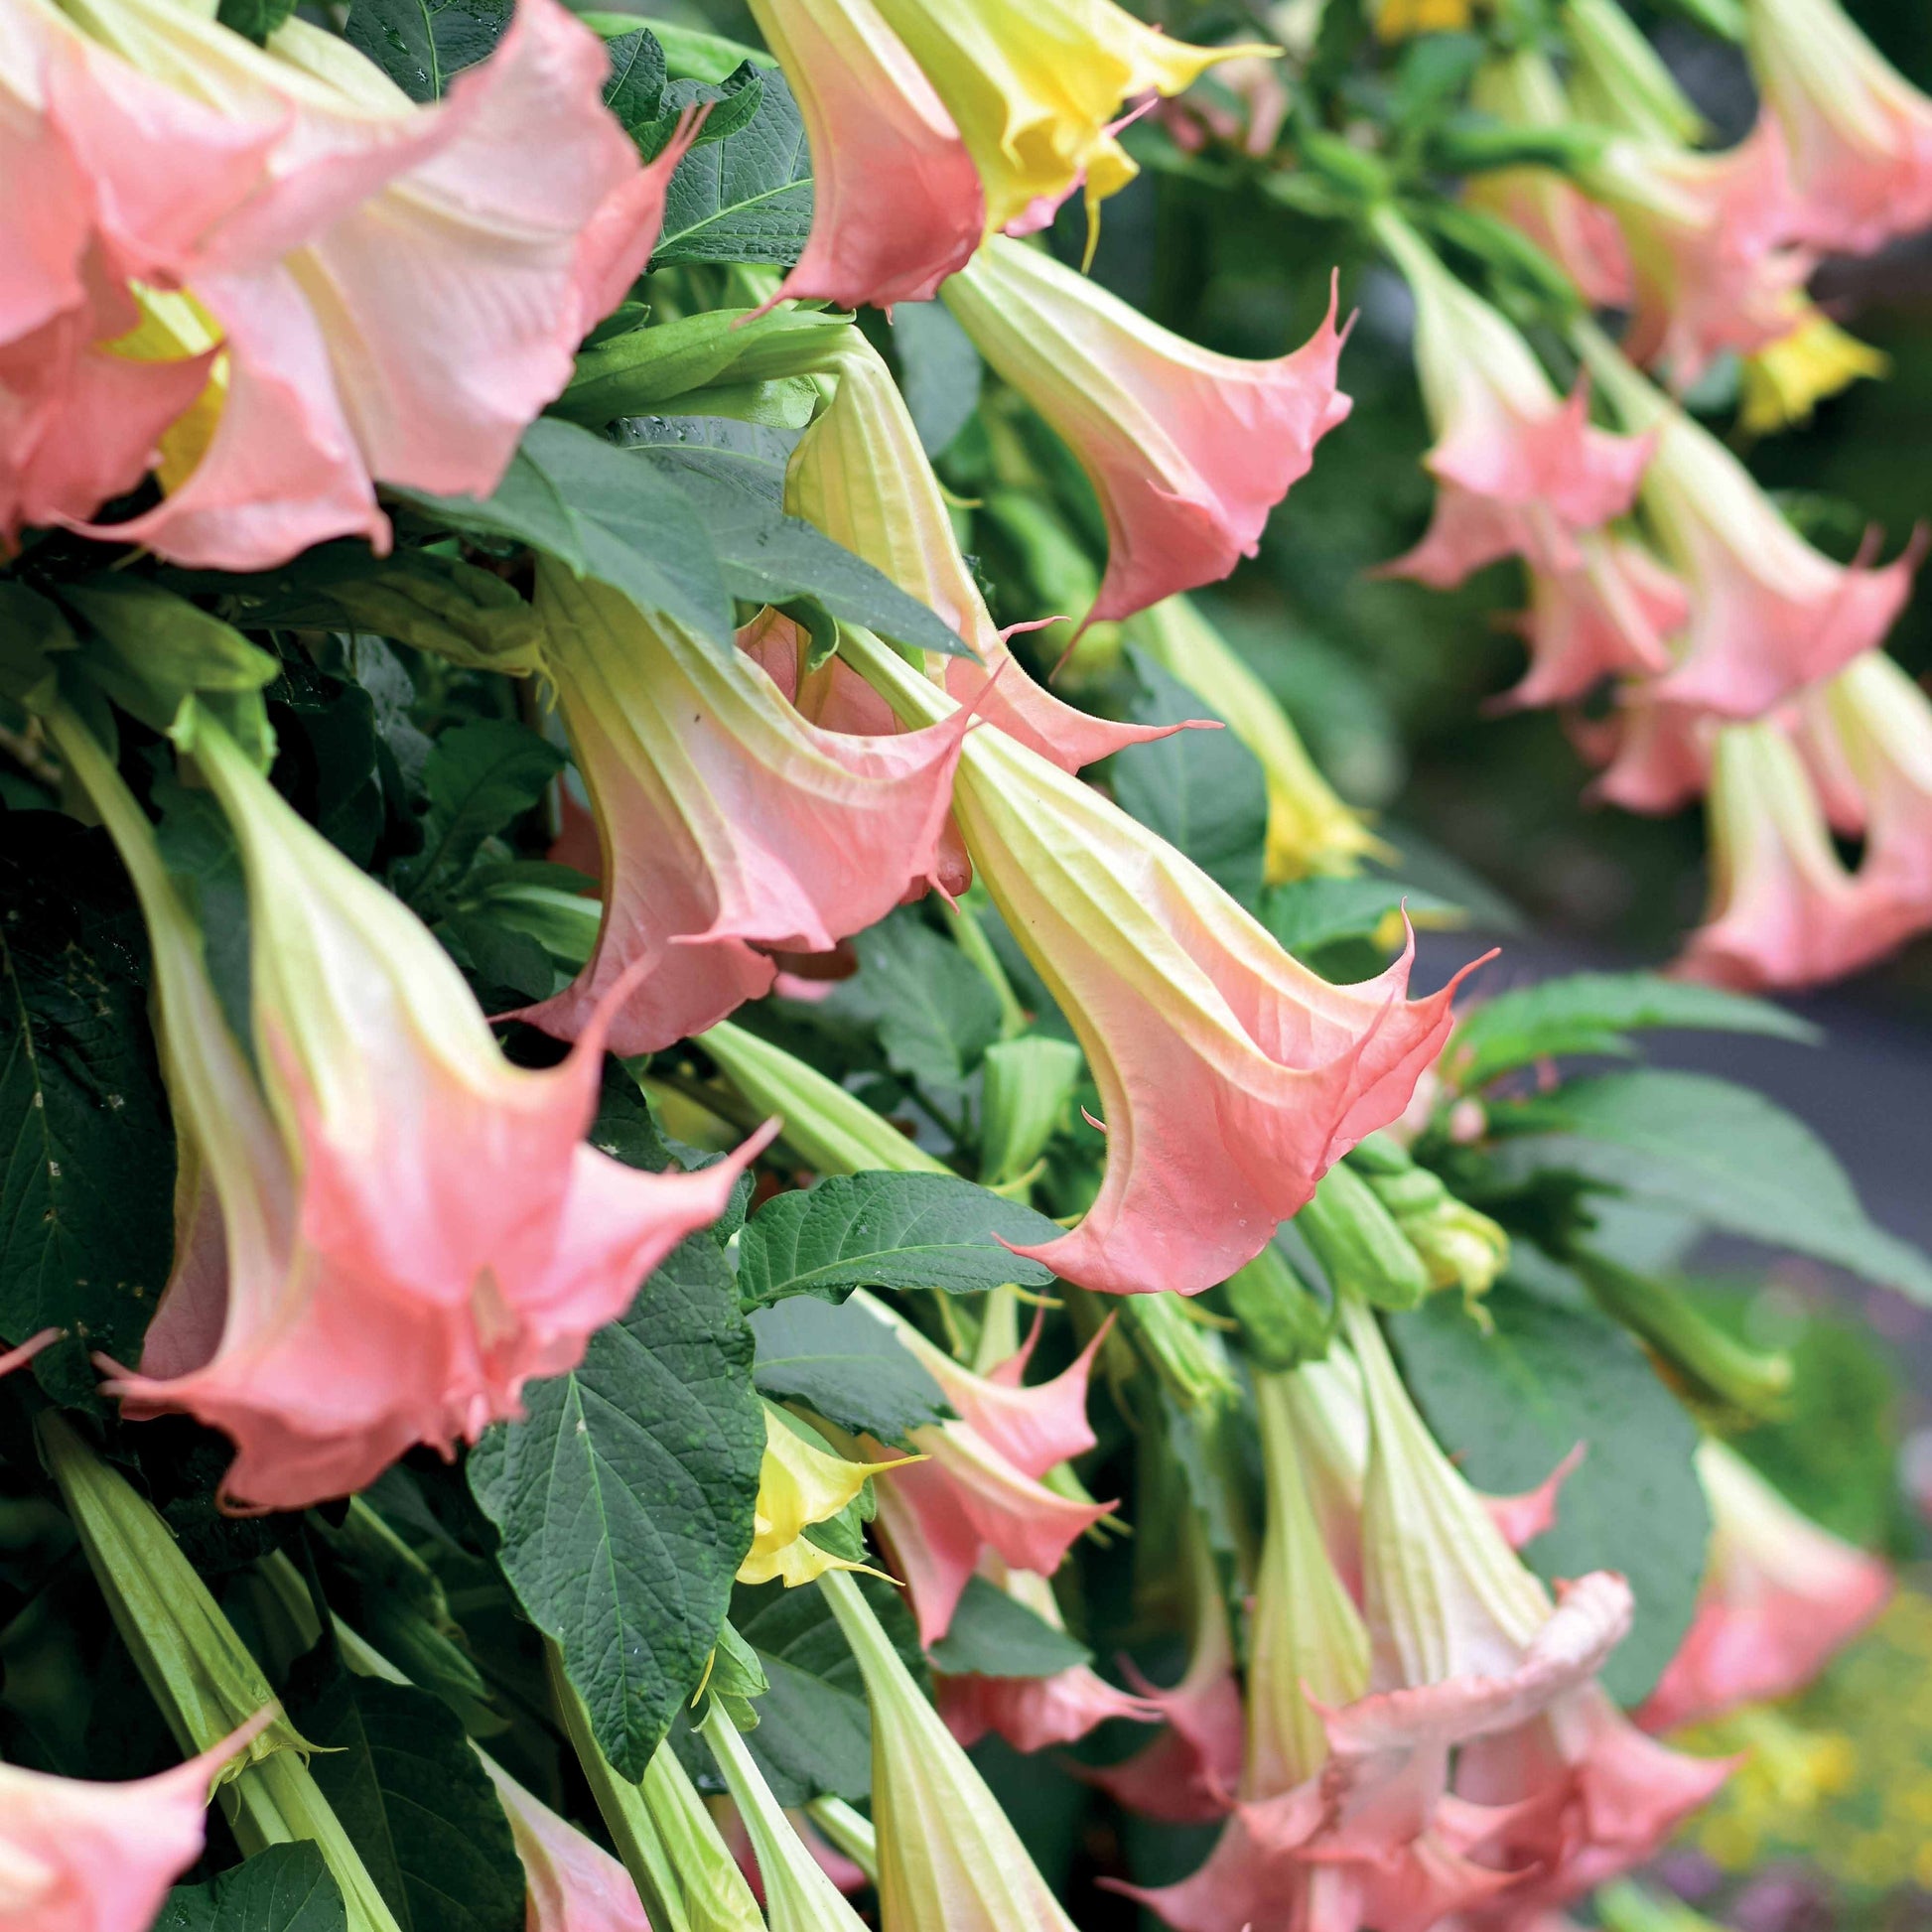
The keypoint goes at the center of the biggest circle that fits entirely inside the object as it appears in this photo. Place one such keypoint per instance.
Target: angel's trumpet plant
(1781, 1596)
(297, 282)
(386, 1228)
(948, 1855)
(1232, 1076)
(1769, 614)
(1035, 91)
(1188, 451)
(731, 827)
(1877, 722)
(1860, 135)
(1520, 468)
(1309, 829)
(860, 474)
(1614, 613)
(896, 202)
(574, 1884)
(799, 1483)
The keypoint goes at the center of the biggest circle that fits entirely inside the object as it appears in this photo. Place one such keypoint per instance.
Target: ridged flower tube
(1781, 1597)
(375, 290)
(859, 473)
(1860, 135)
(1232, 1076)
(948, 1855)
(1188, 451)
(1034, 88)
(1769, 614)
(1881, 724)
(731, 828)
(896, 202)
(574, 1884)
(388, 1228)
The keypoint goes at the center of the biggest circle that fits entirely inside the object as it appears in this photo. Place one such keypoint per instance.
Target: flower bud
(1362, 1249)
(1459, 1247)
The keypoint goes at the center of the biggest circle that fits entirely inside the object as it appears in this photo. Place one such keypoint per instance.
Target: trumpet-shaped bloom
(1708, 238)
(860, 474)
(78, 1856)
(1521, 469)
(1609, 615)
(799, 1484)
(1786, 380)
(948, 1855)
(896, 202)
(1784, 910)
(1879, 724)
(1188, 451)
(388, 1229)
(1780, 1598)
(1655, 754)
(1232, 1076)
(1035, 89)
(389, 292)
(575, 1885)
(732, 829)
(1860, 134)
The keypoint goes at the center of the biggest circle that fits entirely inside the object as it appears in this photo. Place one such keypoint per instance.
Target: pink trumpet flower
(1879, 724)
(1188, 451)
(1607, 615)
(575, 1885)
(1860, 134)
(1521, 470)
(732, 829)
(1655, 754)
(897, 205)
(1781, 1596)
(390, 1229)
(373, 289)
(78, 1856)
(1708, 235)
(860, 474)
(1783, 909)
(1232, 1076)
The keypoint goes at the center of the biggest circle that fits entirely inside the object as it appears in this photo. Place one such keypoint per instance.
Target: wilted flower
(948, 1855)
(575, 1885)
(731, 827)
(1188, 451)
(79, 1856)
(1780, 1598)
(896, 203)
(274, 187)
(1232, 1076)
(1858, 133)
(385, 1229)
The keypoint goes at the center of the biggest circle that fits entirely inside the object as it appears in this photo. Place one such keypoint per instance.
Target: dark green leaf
(284, 1888)
(481, 779)
(423, 45)
(625, 1499)
(635, 86)
(255, 20)
(602, 513)
(331, 756)
(734, 105)
(993, 1635)
(1202, 790)
(626, 1128)
(746, 198)
(503, 964)
(1511, 1405)
(417, 1804)
(814, 1731)
(936, 1012)
(888, 1230)
(939, 369)
(1728, 1156)
(1590, 1012)
(86, 1190)
(198, 844)
(846, 1364)
(1313, 913)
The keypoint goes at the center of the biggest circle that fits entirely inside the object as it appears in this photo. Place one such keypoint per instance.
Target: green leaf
(396, 1768)
(635, 85)
(936, 1011)
(940, 371)
(481, 779)
(734, 102)
(746, 198)
(1202, 790)
(1312, 913)
(1590, 1012)
(1510, 1406)
(994, 1635)
(814, 1730)
(888, 1230)
(255, 20)
(625, 1499)
(86, 1188)
(846, 1364)
(423, 45)
(1728, 1156)
(602, 513)
(284, 1888)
